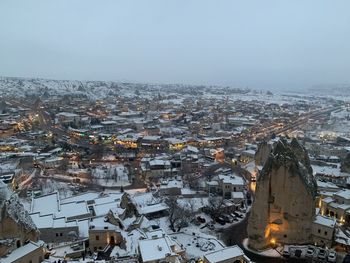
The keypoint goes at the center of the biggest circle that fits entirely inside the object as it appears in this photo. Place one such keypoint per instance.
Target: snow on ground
(59, 251)
(111, 175)
(196, 239)
(49, 186)
(277, 253)
(132, 243)
(135, 191)
(196, 243)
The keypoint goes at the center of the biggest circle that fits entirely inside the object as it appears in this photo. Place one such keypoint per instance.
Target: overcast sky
(261, 44)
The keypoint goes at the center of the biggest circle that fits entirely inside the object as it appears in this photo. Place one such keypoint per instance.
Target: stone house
(323, 230)
(229, 184)
(103, 233)
(32, 252)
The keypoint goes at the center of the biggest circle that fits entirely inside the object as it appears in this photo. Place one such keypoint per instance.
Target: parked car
(201, 219)
(238, 214)
(234, 217)
(211, 226)
(286, 252)
(227, 218)
(220, 220)
(332, 256)
(322, 254)
(297, 253)
(310, 252)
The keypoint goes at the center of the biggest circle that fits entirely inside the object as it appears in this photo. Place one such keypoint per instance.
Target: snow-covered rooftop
(344, 193)
(154, 249)
(224, 254)
(324, 221)
(22, 251)
(47, 204)
(233, 179)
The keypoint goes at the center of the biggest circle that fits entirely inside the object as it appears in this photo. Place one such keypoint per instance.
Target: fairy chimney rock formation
(284, 205)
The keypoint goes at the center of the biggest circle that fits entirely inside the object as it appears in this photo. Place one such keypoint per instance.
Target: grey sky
(260, 44)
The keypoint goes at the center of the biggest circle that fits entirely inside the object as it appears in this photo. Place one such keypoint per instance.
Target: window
(97, 237)
(319, 231)
(325, 233)
(56, 234)
(61, 234)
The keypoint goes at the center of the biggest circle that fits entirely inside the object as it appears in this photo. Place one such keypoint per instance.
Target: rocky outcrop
(16, 226)
(284, 204)
(301, 154)
(263, 152)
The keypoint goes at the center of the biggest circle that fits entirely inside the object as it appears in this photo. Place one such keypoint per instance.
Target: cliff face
(263, 153)
(284, 204)
(16, 226)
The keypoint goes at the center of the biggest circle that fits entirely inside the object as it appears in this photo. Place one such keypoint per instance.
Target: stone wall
(60, 234)
(14, 231)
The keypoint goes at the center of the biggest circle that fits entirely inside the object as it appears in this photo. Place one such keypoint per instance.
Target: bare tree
(192, 180)
(178, 216)
(215, 205)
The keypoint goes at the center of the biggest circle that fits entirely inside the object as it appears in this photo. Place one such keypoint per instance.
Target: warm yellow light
(273, 242)
(320, 203)
(267, 231)
(274, 227)
(342, 220)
